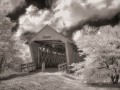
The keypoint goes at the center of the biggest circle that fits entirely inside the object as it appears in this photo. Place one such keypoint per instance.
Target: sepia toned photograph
(59, 44)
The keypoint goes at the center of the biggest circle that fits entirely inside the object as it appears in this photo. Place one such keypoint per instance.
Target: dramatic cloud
(77, 11)
(66, 15)
(33, 20)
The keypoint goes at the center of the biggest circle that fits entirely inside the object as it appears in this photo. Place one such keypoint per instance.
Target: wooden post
(38, 57)
(67, 57)
(43, 66)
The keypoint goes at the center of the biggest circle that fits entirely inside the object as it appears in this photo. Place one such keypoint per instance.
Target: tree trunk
(115, 79)
(2, 63)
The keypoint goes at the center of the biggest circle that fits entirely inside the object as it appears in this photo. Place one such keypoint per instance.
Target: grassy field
(50, 81)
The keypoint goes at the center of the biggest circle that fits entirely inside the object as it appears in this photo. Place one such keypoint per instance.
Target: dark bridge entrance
(51, 49)
(51, 53)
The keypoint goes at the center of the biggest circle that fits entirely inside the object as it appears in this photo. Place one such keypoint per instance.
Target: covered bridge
(52, 49)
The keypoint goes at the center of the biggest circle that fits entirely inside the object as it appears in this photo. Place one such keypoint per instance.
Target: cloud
(67, 14)
(76, 11)
(33, 20)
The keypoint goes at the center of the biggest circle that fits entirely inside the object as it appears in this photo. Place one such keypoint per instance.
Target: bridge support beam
(43, 67)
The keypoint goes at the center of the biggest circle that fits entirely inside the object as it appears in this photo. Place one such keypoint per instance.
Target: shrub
(102, 49)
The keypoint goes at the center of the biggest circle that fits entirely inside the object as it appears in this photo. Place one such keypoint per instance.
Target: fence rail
(62, 67)
(28, 67)
(32, 66)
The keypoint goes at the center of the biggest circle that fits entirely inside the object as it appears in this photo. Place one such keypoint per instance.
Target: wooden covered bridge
(52, 49)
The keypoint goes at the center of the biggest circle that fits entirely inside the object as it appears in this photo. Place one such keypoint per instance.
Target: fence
(32, 66)
(28, 67)
(62, 67)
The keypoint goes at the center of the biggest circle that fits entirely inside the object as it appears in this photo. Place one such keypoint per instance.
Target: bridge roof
(49, 33)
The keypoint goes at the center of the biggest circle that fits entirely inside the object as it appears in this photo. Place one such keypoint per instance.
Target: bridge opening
(51, 53)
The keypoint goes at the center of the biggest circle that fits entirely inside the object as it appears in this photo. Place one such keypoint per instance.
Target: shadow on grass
(104, 85)
(8, 77)
(21, 74)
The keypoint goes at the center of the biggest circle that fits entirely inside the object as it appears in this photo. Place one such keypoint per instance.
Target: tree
(6, 42)
(102, 49)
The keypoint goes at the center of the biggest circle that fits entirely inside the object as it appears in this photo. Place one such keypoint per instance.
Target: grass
(50, 81)
(10, 74)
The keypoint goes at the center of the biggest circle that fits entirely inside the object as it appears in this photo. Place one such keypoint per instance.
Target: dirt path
(47, 81)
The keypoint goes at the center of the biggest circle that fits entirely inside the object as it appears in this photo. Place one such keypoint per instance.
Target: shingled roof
(47, 29)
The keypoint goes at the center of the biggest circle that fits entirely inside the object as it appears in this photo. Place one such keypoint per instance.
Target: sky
(66, 15)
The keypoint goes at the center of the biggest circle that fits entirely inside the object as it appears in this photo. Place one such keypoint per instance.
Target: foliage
(102, 49)
(23, 54)
(7, 51)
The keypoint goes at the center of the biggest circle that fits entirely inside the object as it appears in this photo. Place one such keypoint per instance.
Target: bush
(102, 49)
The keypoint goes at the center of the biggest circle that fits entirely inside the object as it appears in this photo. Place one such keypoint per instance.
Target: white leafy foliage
(102, 49)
